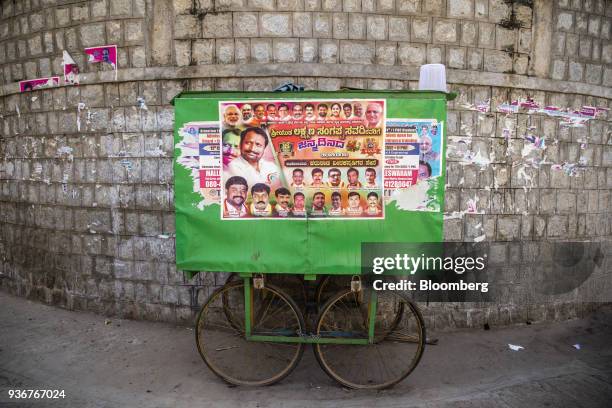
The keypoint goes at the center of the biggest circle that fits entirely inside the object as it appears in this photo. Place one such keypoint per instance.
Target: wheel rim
(399, 339)
(221, 341)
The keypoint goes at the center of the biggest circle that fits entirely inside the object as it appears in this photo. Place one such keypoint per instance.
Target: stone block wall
(86, 194)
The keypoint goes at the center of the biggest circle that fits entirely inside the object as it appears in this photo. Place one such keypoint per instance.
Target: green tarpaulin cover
(294, 243)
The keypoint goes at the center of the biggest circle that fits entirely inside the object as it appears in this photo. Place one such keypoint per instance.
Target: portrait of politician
(348, 110)
(335, 112)
(271, 112)
(247, 112)
(373, 115)
(236, 190)
(283, 197)
(250, 164)
(370, 175)
(318, 205)
(372, 201)
(426, 149)
(336, 205)
(310, 113)
(354, 208)
(298, 112)
(317, 178)
(231, 117)
(334, 178)
(352, 176)
(299, 205)
(261, 207)
(297, 177)
(424, 170)
(322, 111)
(283, 112)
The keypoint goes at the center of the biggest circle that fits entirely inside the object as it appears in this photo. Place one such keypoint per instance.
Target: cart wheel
(221, 341)
(397, 348)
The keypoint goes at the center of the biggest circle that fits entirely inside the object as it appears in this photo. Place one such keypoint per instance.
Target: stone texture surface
(94, 229)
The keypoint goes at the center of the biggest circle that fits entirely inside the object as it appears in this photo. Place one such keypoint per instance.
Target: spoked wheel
(399, 339)
(221, 340)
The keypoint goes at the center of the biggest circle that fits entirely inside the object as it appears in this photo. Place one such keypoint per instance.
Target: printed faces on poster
(302, 158)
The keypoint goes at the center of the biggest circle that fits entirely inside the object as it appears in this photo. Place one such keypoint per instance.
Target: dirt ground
(142, 364)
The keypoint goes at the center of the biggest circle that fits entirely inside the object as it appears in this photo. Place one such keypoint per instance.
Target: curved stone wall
(86, 195)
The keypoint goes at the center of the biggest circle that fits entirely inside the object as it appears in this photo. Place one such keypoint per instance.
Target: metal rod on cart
(248, 299)
(372, 316)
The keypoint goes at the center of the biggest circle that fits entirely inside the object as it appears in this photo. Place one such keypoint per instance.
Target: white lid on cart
(432, 78)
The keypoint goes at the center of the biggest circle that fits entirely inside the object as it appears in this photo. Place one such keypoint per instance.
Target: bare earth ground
(143, 364)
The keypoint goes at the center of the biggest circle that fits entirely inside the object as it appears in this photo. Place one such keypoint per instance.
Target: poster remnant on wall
(38, 83)
(321, 159)
(105, 55)
(71, 69)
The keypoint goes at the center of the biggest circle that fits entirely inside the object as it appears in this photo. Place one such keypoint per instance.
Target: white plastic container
(432, 78)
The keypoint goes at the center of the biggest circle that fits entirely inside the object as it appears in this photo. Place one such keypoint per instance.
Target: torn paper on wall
(571, 169)
(80, 107)
(71, 69)
(38, 83)
(418, 197)
(476, 158)
(568, 117)
(105, 55)
(65, 152)
(141, 103)
(522, 175)
(483, 107)
(472, 206)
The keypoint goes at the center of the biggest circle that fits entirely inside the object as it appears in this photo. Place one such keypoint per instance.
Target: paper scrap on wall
(38, 83)
(71, 69)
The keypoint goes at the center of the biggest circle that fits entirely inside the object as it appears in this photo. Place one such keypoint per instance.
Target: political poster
(401, 155)
(412, 163)
(291, 159)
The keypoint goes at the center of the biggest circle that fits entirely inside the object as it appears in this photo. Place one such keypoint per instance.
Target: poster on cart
(291, 159)
(412, 163)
